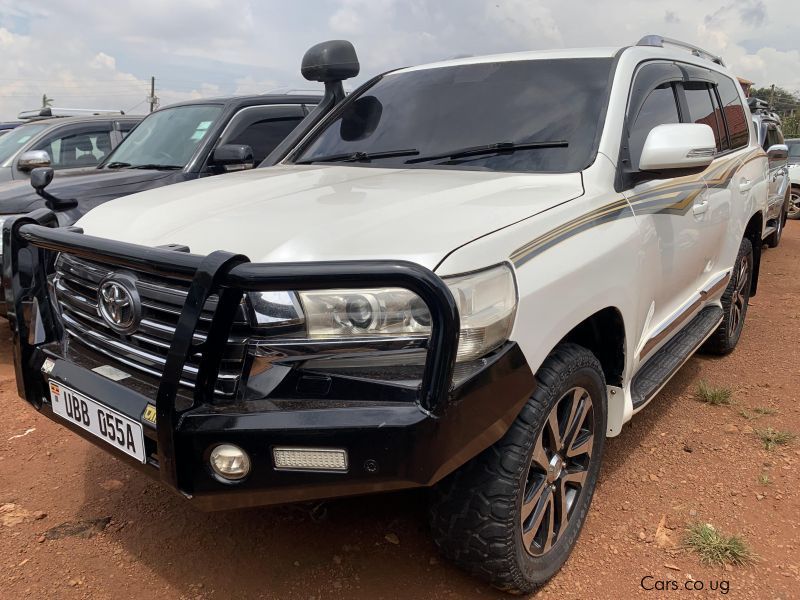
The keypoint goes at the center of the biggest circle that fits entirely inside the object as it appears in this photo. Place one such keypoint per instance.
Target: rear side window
(701, 110)
(660, 108)
(735, 119)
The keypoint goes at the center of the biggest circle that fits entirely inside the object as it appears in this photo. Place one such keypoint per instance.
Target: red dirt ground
(679, 460)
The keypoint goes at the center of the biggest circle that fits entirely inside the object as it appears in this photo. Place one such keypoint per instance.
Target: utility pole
(152, 97)
(772, 96)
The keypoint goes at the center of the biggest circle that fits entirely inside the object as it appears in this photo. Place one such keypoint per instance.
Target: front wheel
(513, 514)
(735, 301)
(794, 203)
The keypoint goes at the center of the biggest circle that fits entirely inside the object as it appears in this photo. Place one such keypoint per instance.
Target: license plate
(106, 423)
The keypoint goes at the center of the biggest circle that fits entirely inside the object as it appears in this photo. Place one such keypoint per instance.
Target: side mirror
(331, 61)
(678, 146)
(233, 157)
(777, 155)
(33, 159)
(41, 178)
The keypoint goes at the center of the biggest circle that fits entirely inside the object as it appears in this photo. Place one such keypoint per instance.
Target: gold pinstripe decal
(673, 197)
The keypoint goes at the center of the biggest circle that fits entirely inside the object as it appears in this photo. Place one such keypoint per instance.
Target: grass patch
(757, 412)
(772, 437)
(714, 396)
(764, 479)
(717, 549)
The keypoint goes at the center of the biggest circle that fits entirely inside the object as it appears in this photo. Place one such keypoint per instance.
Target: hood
(20, 197)
(312, 213)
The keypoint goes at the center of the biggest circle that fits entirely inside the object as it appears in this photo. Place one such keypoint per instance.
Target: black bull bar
(31, 242)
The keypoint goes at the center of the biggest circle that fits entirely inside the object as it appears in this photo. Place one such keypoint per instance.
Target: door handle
(700, 207)
(745, 185)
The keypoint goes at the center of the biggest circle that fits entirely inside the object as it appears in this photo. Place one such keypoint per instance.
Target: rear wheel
(794, 203)
(513, 514)
(734, 303)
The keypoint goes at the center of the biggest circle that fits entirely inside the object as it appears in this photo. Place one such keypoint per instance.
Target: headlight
(486, 303)
(368, 312)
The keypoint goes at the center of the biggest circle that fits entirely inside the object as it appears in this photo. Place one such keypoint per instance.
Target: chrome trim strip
(686, 311)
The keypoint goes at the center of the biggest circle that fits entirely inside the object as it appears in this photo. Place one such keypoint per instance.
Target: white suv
(467, 275)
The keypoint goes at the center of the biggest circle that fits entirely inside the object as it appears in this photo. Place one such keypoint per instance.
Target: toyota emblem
(118, 303)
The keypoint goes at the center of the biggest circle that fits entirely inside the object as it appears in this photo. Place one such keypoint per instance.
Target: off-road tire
(794, 203)
(726, 336)
(475, 514)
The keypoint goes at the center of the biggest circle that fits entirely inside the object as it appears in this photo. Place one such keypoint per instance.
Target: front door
(675, 213)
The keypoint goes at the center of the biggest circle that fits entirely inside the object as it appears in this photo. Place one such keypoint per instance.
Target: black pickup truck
(177, 143)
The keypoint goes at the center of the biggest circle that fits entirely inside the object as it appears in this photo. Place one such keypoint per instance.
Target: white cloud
(86, 54)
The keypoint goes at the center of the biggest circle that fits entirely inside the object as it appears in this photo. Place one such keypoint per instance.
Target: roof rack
(51, 112)
(659, 41)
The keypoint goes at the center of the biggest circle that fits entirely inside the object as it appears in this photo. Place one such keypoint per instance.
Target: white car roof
(605, 52)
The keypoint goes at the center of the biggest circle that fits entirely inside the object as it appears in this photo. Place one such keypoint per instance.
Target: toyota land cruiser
(465, 275)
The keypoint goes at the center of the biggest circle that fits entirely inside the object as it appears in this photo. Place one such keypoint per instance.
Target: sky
(101, 54)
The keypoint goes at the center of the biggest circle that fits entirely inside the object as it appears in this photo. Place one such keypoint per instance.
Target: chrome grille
(162, 298)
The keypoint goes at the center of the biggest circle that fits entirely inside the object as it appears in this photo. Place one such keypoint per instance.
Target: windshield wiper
(117, 165)
(496, 148)
(158, 167)
(359, 156)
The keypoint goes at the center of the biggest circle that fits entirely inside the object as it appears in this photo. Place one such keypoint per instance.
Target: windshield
(167, 138)
(794, 151)
(16, 139)
(524, 115)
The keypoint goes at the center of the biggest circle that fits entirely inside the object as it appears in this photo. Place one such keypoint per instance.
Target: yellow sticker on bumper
(149, 414)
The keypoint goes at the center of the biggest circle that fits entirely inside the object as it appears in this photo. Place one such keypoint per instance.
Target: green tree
(783, 101)
(791, 125)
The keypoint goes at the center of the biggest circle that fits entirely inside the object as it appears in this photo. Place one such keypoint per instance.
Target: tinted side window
(660, 108)
(77, 149)
(738, 127)
(701, 109)
(263, 135)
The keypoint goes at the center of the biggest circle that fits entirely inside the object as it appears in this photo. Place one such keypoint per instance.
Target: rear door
(777, 171)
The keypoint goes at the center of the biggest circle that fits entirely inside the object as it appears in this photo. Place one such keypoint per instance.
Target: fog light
(310, 459)
(230, 462)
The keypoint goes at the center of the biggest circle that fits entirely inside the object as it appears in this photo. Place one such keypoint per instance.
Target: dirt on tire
(77, 523)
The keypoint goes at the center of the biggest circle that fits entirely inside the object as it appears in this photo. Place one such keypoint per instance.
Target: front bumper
(390, 444)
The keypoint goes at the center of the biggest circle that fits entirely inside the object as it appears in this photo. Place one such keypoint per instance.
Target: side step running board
(658, 369)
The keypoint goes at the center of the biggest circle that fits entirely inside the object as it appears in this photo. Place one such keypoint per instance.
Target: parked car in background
(70, 145)
(794, 177)
(6, 127)
(467, 275)
(770, 137)
(177, 143)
